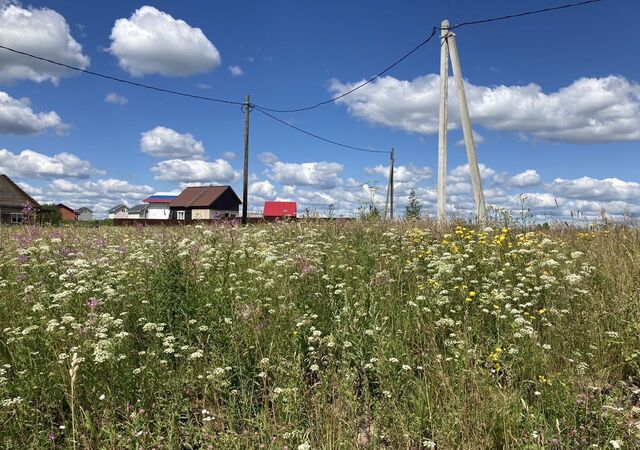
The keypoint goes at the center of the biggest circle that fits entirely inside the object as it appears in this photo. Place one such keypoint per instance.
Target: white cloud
(477, 139)
(401, 174)
(30, 164)
(167, 143)
(152, 41)
(17, 117)
(262, 190)
(41, 32)
(588, 110)
(99, 195)
(216, 172)
(317, 174)
(229, 155)
(116, 99)
(525, 179)
(236, 71)
(267, 158)
(593, 189)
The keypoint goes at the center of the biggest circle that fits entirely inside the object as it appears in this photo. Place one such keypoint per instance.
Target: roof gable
(200, 196)
(62, 205)
(10, 184)
(121, 207)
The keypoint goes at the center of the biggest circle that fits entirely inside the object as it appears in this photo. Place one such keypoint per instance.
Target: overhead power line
(122, 80)
(361, 85)
(330, 141)
(420, 45)
(522, 14)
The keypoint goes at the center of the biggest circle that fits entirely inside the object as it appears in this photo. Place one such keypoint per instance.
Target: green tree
(413, 210)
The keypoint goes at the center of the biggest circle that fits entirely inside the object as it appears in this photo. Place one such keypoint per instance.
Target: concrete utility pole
(442, 132)
(392, 161)
(245, 178)
(449, 48)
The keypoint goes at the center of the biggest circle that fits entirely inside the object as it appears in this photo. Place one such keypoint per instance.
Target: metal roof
(200, 196)
(84, 209)
(280, 209)
(157, 198)
(138, 208)
(118, 208)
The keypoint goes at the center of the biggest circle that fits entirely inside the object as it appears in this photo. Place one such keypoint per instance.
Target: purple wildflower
(93, 303)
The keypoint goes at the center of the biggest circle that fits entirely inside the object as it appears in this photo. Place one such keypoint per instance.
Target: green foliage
(319, 335)
(413, 210)
(49, 213)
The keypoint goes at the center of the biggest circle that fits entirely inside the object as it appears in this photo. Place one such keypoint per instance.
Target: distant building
(158, 205)
(274, 210)
(66, 213)
(205, 202)
(85, 214)
(12, 201)
(138, 211)
(119, 212)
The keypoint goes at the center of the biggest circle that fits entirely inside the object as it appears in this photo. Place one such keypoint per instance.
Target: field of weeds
(319, 336)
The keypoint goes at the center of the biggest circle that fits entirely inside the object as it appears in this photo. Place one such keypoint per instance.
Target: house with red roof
(158, 205)
(273, 210)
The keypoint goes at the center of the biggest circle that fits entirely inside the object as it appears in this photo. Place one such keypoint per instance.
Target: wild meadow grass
(319, 336)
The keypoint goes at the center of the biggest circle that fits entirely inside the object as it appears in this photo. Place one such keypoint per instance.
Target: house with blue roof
(158, 205)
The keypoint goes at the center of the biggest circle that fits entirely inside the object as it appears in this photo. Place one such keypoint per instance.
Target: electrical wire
(526, 13)
(420, 45)
(121, 80)
(361, 85)
(330, 141)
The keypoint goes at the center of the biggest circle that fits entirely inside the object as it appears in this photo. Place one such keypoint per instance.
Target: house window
(180, 215)
(16, 217)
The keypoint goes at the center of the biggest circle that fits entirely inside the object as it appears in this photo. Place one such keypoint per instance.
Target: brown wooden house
(12, 201)
(205, 202)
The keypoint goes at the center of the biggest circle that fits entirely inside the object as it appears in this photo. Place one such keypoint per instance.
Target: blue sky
(554, 100)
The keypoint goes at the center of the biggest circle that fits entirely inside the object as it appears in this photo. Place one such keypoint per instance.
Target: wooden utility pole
(245, 177)
(392, 161)
(448, 49)
(442, 132)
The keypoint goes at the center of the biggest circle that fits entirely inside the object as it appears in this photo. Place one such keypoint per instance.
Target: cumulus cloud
(167, 143)
(236, 71)
(267, 158)
(116, 99)
(152, 41)
(41, 32)
(317, 174)
(215, 172)
(402, 174)
(229, 155)
(99, 195)
(262, 190)
(17, 117)
(525, 179)
(588, 110)
(587, 188)
(30, 164)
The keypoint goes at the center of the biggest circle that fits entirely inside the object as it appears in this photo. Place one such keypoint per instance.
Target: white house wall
(158, 211)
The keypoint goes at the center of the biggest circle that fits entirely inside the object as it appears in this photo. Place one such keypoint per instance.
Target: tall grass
(319, 336)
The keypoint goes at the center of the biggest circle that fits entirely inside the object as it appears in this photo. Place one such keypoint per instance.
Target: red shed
(280, 209)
